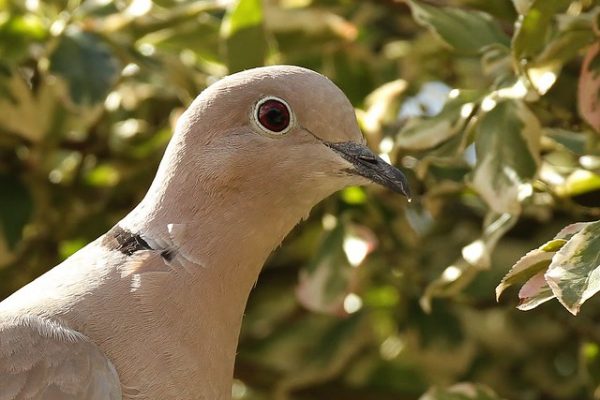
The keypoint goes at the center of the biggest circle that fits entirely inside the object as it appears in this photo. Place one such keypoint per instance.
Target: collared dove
(152, 309)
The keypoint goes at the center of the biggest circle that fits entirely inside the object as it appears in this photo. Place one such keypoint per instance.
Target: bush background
(491, 107)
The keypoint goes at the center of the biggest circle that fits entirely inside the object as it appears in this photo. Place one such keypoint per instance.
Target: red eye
(273, 115)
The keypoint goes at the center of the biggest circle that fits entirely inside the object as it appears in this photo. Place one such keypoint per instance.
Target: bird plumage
(154, 306)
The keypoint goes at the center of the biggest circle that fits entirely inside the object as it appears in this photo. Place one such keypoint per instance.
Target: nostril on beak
(368, 158)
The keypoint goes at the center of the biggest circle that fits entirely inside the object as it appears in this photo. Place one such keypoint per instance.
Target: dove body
(153, 308)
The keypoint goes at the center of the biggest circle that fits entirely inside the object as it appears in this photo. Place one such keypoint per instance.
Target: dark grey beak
(372, 167)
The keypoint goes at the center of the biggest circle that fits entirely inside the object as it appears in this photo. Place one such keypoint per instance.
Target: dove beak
(368, 165)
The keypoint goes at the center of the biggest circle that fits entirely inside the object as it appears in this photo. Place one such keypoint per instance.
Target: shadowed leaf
(16, 207)
(86, 63)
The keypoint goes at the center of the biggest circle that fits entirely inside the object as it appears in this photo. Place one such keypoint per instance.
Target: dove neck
(221, 232)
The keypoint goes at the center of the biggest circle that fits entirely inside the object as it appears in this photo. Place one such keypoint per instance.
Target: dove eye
(273, 115)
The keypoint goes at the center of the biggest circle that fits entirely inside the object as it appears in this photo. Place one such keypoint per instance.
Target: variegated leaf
(574, 274)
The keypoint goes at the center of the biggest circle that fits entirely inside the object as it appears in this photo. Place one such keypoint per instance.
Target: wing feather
(43, 360)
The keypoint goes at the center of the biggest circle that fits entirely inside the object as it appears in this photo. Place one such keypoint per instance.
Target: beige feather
(153, 309)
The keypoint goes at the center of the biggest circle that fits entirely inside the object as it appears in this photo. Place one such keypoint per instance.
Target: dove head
(283, 130)
(255, 152)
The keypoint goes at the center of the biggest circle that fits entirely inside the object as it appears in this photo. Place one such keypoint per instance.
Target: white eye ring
(277, 108)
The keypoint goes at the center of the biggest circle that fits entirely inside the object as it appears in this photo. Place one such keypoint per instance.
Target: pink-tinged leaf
(589, 87)
(574, 274)
(528, 266)
(534, 292)
(568, 231)
(531, 269)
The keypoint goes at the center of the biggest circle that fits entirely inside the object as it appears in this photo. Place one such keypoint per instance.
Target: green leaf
(16, 207)
(534, 27)
(544, 42)
(465, 31)
(354, 195)
(104, 175)
(496, 61)
(579, 182)
(87, 64)
(461, 391)
(507, 146)
(17, 33)
(244, 35)
(553, 245)
(574, 274)
(572, 34)
(67, 248)
(421, 134)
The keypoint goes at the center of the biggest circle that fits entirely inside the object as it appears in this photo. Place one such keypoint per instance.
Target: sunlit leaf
(244, 35)
(381, 106)
(27, 113)
(579, 182)
(201, 36)
(420, 134)
(17, 34)
(87, 65)
(574, 274)
(465, 31)
(309, 21)
(507, 154)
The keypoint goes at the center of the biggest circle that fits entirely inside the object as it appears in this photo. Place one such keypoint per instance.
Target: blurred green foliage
(490, 106)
